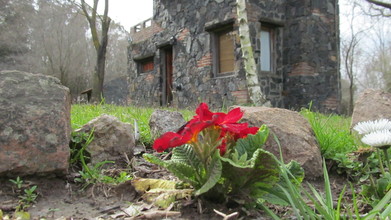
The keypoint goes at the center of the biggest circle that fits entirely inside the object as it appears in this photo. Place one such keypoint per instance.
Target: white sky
(128, 12)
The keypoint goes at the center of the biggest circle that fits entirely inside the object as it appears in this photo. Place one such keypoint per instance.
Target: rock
(294, 134)
(34, 124)
(163, 121)
(112, 138)
(372, 105)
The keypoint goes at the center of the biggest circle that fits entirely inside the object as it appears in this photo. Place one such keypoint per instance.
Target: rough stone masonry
(190, 52)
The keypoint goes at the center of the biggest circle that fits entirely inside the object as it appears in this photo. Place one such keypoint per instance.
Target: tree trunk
(253, 87)
(99, 74)
(100, 46)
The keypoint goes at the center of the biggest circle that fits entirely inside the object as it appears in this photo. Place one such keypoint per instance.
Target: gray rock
(112, 138)
(372, 105)
(294, 134)
(163, 121)
(34, 124)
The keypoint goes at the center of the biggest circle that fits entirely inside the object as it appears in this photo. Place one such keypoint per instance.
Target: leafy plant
(18, 182)
(28, 198)
(290, 191)
(91, 174)
(378, 135)
(218, 156)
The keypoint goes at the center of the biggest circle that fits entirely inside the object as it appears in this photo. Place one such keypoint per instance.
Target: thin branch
(379, 3)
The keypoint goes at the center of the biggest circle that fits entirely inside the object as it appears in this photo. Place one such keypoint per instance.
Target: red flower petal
(233, 116)
(169, 140)
(203, 112)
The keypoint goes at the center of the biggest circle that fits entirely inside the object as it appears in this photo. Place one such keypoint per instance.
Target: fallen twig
(225, 216)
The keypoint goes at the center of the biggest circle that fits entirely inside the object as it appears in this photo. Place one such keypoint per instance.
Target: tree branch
(379, 3)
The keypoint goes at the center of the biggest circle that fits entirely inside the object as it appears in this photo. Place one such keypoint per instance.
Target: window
(145, 65)
(266, 57)
(226, 51)
(223, 46)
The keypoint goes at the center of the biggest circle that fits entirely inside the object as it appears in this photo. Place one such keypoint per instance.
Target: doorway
(167, 75)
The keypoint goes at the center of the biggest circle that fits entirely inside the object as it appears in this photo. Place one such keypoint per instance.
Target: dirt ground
(61, 198)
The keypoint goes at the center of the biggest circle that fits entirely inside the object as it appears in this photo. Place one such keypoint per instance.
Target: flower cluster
(208, 130)
(376, 133)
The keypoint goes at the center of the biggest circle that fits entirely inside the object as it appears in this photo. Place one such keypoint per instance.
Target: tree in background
(378, 65)
(350, 54)
(365, 48)
(379, 8)
(60, 47)
(14, 33)
(99, 42)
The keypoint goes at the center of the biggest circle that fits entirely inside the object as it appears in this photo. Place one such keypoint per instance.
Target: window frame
(215, 43)
(145, 61)
(272, 47)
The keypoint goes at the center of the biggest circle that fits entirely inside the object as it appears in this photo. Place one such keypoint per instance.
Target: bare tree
(99, 42)
(59, 44)
(350, 53)
(377, 7)
(378, 65)
(15, 16)
(117, 49)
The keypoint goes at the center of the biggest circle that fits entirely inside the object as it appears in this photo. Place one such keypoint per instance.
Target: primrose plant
(219, 156)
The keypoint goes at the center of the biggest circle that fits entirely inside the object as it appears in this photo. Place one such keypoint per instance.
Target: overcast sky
(128, 12)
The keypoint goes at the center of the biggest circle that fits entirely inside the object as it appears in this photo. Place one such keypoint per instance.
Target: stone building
(189, 52)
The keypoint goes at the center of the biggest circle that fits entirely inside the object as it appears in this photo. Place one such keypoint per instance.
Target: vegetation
(81, 114)
(342, 150)
(27, 195)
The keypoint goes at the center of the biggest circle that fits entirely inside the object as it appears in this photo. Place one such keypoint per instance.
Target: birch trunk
(253, 87)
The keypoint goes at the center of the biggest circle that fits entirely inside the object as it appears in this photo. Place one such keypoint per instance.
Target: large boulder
(372, 105)
(162, 121)
(34, 124)
(294, 134)
(111, 138)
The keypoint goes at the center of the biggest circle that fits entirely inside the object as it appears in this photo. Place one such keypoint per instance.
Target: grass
(82, 114)
(332, 132)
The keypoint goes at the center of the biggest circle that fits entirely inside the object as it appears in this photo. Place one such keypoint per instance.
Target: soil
(63, 198)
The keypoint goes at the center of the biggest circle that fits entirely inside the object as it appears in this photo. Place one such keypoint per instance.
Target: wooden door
(167, 74)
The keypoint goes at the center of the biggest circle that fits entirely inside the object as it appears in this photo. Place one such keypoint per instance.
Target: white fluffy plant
(378, 135)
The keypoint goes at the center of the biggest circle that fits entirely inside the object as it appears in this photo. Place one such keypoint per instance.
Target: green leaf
(186, 154)
(213, 176)
(184, 171)
(251, 143)
(261, 171)
(294, 176)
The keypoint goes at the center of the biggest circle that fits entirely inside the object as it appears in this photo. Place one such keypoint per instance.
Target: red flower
(204, 118)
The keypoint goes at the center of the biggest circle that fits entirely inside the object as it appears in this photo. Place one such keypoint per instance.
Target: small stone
(112, 138)
(163, 121)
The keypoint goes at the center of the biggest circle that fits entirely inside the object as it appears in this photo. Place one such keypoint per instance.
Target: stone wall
(303, 71)
(311, 55)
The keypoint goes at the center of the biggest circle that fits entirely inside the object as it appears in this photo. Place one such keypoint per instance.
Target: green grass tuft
(332, 132)
(82, 114)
